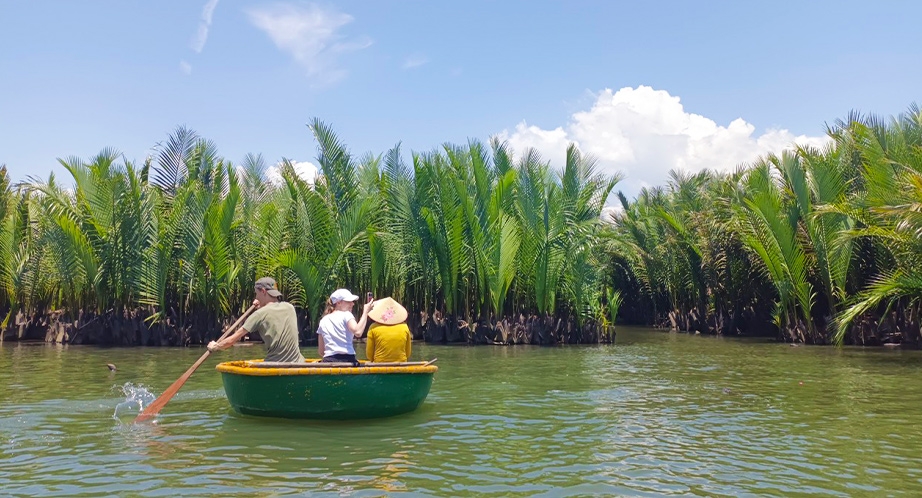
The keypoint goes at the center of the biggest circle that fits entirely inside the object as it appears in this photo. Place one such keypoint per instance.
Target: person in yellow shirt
(389, 339)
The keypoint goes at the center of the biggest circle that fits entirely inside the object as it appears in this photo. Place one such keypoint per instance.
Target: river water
(655, 414)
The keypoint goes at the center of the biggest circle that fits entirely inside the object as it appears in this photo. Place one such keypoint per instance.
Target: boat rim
(247, 367)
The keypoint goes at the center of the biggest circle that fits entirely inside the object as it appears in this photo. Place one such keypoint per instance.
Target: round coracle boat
(318, 390)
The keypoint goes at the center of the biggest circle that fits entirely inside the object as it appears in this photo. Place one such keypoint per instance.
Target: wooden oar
(158, 404)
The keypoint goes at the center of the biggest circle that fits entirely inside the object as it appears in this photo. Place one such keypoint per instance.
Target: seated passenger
(338, 328)
(389, 338)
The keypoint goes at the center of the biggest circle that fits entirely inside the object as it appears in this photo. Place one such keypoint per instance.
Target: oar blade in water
(154, 408)
(136, 398)
(171, 391)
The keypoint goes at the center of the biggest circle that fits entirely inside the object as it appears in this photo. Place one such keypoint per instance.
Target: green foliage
(813, 241)
(466, 230)
(815, 238)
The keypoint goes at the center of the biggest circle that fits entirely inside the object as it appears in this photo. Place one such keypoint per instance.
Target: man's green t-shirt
(277, 324)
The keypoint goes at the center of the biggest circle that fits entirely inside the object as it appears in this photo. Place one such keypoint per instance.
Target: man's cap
(268, 284)
(342, 295)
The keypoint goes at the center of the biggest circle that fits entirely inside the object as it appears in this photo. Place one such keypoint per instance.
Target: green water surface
(656, 414)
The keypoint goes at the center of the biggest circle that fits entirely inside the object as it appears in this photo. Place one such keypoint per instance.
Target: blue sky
(643, 86)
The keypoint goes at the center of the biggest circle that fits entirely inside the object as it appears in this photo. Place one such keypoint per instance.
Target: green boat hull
(330, 396)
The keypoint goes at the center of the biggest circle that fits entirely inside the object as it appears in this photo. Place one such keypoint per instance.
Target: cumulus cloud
(185, 67)
(201, 36)
(310, 34)
(305, 170)
(645, 133)
(609, 212)
(414, 61)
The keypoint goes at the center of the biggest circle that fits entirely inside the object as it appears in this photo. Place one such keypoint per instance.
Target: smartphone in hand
(369, 297)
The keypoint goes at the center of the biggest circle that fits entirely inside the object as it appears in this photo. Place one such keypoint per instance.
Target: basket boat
(333, 391)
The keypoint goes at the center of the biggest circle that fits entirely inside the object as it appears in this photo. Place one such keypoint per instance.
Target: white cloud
(414, 61)
(310, 34)
(609, 213)
(305, 170)
(201, 36)
(185, 67)
(645, 133)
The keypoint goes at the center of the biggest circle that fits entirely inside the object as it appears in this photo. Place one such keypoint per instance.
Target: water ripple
(655, 415)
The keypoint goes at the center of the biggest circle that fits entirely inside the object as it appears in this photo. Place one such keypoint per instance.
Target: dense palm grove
(810, 246)
(813, 246)
(478, 245)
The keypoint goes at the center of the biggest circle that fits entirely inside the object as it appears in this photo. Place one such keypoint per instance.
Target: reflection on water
(656, 414)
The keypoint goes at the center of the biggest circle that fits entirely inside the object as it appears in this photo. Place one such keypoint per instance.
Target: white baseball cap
(342, 295)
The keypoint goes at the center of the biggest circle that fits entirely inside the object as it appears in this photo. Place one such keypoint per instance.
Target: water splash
(136, 398)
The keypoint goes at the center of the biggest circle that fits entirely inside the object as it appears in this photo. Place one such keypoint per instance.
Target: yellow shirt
(388, 343)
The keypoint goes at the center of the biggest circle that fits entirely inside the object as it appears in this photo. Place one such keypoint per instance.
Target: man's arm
(227, 341)
(252, 323)
(320, 345)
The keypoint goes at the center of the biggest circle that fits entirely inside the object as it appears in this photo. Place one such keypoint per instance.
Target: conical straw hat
(386, 311)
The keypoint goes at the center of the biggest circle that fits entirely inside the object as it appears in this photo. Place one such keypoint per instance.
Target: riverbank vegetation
(813, 245)
(480, 244)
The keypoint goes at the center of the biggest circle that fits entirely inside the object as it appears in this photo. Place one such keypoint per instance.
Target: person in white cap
(338, 327)
(275, 321)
